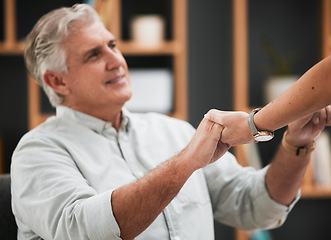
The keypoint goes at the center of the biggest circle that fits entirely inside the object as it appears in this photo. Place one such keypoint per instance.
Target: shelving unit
(175, 47)
(241, 84)
(309, 190)
(240, 69)
(9, 44)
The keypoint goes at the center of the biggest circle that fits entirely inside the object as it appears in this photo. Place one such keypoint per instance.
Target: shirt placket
(171, 220)
(139, 171)
(127, 150)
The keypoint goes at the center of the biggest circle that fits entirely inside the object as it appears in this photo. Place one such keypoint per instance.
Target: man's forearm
(136, 205)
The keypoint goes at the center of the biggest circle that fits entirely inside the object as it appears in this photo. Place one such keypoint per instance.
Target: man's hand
(303, 131)
(235, 124)
(205, 146)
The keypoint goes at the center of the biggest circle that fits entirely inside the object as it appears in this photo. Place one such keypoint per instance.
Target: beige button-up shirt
(64, 171)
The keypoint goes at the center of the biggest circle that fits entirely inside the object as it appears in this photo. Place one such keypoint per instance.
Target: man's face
(98, 76)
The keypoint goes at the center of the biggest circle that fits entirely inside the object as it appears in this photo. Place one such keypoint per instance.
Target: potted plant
(280, 77)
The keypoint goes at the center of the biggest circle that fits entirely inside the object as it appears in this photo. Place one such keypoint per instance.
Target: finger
(302, 122)
(320, 124)
(323, 117)
(214, 115)
(222, 128)
(317, 117)
(214, 129)
(224, 147)
(218, 128)
(328, 114)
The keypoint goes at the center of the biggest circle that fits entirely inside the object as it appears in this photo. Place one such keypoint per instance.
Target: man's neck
(111, 115)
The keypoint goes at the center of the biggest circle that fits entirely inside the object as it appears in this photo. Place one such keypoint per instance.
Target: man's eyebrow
(113, 40)
(97, 48)
(88, 52)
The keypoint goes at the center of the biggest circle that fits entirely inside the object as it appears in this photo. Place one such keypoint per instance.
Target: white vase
(148, 30)
(276, 85)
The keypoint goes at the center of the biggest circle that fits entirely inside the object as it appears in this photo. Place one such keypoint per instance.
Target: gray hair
(43, 44)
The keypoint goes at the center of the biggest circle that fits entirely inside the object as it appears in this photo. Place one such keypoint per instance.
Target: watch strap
(298, 151)
(251, 123)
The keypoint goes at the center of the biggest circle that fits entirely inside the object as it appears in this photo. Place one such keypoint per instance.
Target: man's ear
(56, 82)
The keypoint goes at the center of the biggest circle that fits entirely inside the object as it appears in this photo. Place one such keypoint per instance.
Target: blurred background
(189, 46)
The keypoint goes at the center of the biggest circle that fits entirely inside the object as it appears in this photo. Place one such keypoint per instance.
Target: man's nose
(114, 59)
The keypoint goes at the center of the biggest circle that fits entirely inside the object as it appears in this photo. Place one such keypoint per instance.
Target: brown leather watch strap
(298, 151)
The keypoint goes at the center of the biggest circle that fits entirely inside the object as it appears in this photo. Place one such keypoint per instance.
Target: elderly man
(97, 171)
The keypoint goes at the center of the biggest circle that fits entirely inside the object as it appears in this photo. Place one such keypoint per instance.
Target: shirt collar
(93, 123)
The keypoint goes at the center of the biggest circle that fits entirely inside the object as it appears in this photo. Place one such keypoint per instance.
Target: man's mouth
(115, 80)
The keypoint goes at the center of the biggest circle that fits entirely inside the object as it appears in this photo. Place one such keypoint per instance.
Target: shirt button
(140, 174)
(107, 125)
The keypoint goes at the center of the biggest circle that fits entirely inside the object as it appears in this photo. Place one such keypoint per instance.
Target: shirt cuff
(271, 208)
(99, 208)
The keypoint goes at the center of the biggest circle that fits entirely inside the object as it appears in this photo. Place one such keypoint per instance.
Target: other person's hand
(235, 124)
(303, 131)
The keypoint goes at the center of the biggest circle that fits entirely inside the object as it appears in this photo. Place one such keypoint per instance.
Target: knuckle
(212, 111)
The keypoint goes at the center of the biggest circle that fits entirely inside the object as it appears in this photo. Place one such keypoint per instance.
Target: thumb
(214, 115)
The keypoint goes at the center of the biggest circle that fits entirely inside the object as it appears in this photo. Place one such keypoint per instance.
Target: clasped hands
(300, 132)
(219, 130)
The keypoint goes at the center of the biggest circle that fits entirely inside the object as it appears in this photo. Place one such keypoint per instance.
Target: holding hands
(235, 126)
(205, 146)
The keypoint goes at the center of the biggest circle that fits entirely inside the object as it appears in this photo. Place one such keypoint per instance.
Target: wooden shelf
(16, 48)
(165, 48)
(315, 192)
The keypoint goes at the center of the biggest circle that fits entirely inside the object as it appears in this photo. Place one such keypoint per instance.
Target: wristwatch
(259, 136)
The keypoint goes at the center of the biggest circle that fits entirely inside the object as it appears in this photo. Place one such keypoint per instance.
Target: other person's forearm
(309, 94)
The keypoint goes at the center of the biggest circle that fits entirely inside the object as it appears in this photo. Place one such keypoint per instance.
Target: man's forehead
(87, 38)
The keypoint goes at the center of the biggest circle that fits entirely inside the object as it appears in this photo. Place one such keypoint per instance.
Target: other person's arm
(309, 94)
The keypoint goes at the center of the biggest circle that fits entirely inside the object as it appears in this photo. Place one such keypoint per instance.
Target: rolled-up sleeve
(267, 212)
(52, 198)
(240, 198)
(106, 229)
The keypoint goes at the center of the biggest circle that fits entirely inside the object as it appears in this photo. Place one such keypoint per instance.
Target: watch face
(263, 136)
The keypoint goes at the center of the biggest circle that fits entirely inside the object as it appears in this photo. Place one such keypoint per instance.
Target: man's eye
(112, 45)
(93, 55)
